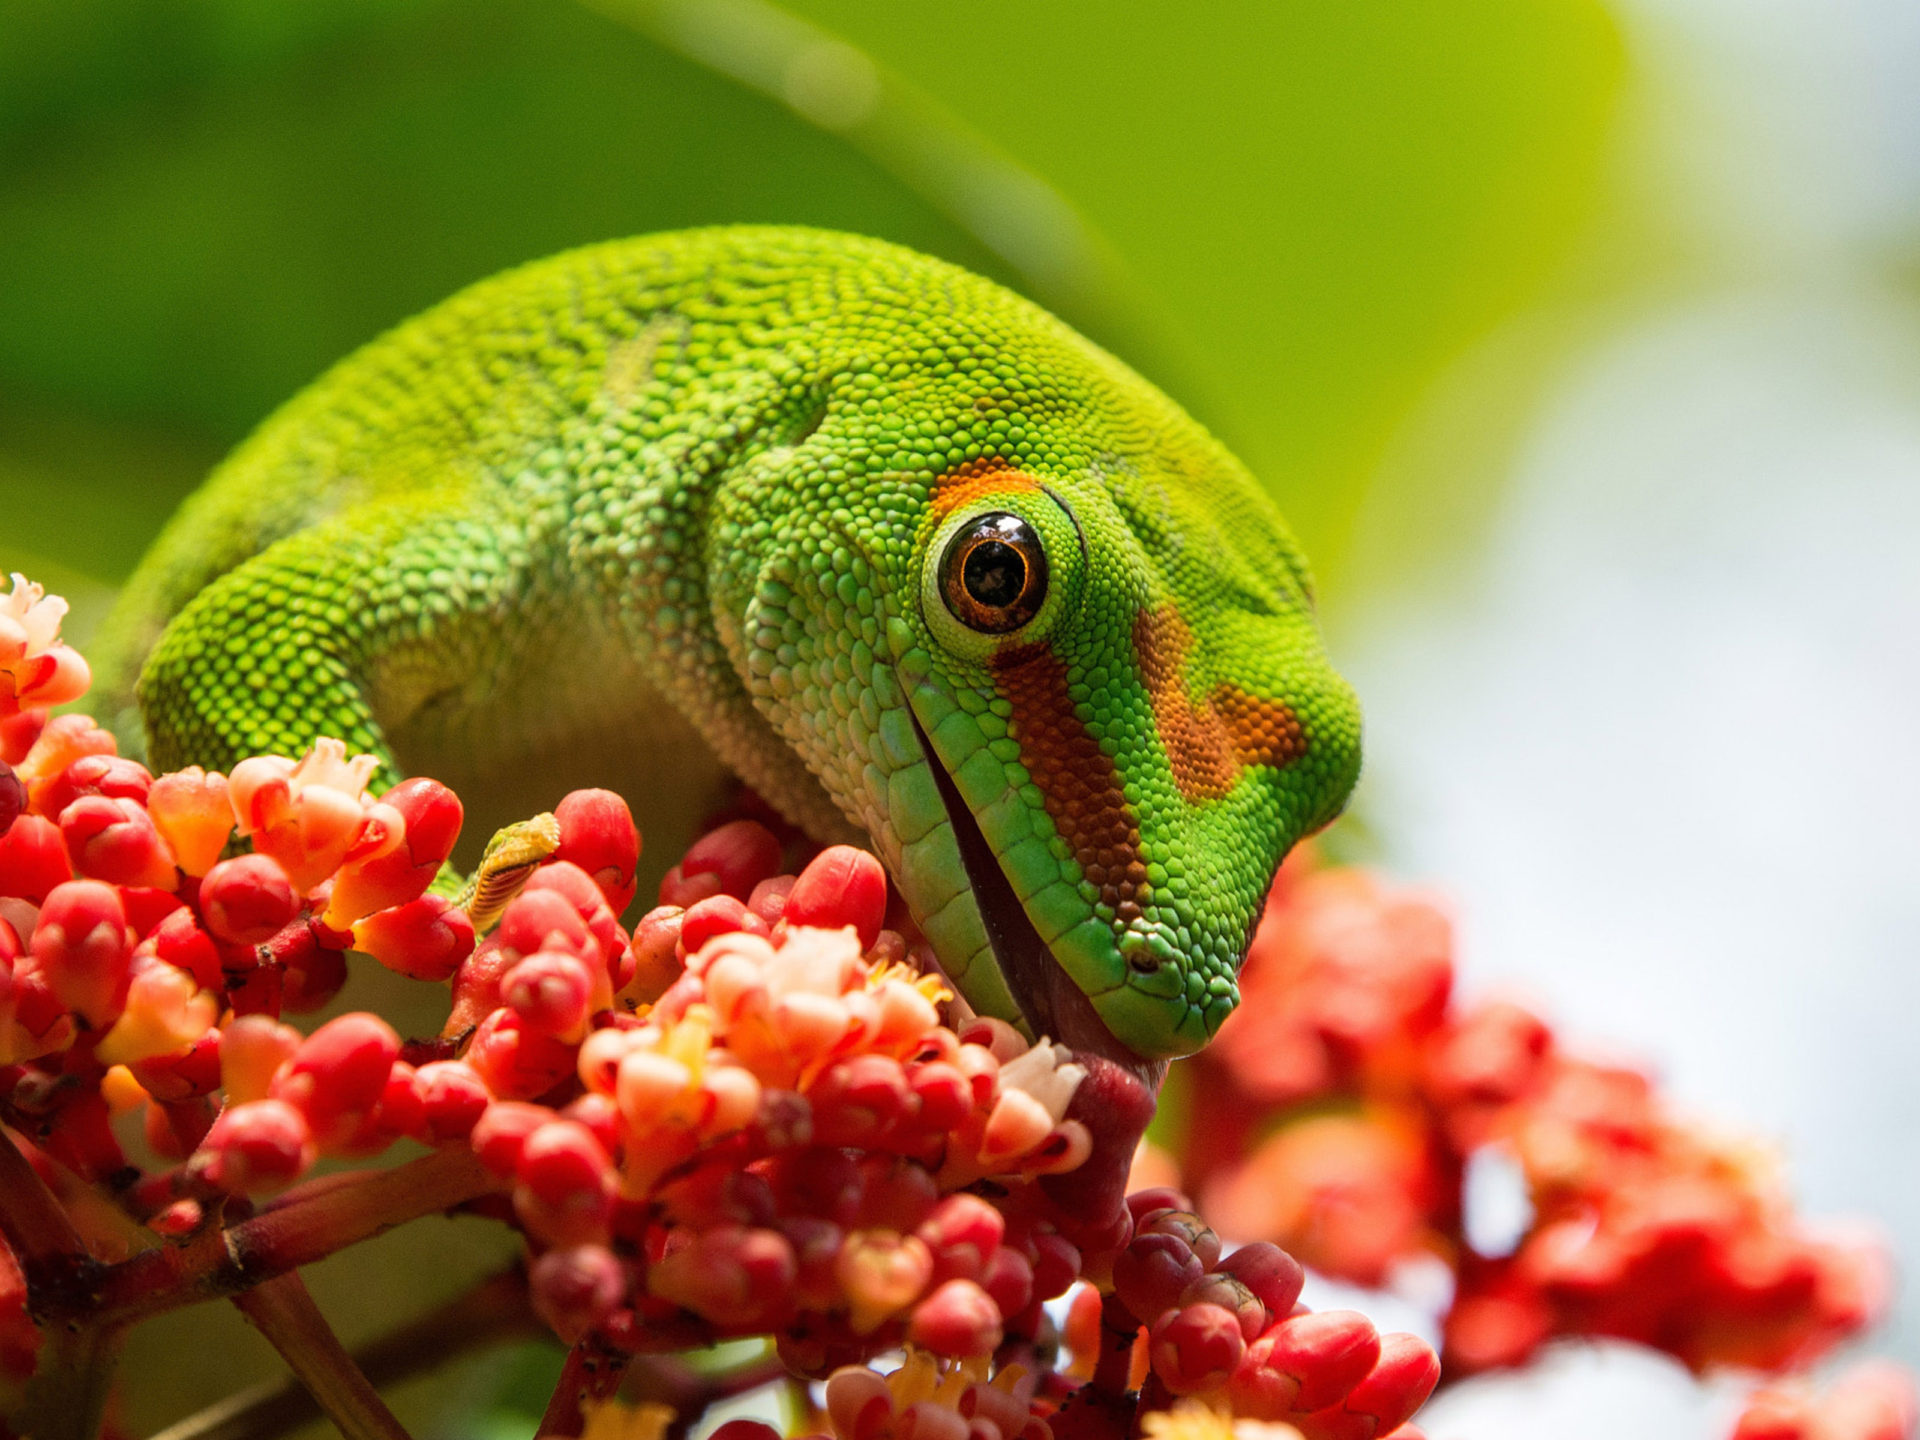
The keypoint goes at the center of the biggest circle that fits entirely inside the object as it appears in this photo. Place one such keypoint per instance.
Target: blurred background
(1580, 340)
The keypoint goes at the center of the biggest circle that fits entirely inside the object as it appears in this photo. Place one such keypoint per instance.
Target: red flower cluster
(1643, 1227)
(753, 1115)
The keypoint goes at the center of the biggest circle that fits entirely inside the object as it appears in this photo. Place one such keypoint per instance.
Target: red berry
(501, 1132)
(247, 900)
(740, 854)
(256, 1148)
(716, 915)
(81, 947)
(1195, 1348)
(597, 833)
(858, 1102)
(566, 1184)
(424, 939)
(958, 1319)
(1326, 1353)
(575, 1288)
(517, 1063)
(338, 1075)
(452, 1099)
(114, 776)
(1274, 1276)
(841, 886)
(1152, 1273)
(33, 858)
(962, 1234)
(544, 919)
(551, 992)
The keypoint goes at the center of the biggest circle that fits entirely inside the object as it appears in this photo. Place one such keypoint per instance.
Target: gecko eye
(994, 574)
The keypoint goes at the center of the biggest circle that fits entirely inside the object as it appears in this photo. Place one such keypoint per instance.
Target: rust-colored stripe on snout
(1209, 744)
(961, 486)
(1082, 788)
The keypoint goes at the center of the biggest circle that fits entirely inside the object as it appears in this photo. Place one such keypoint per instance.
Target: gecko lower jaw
(1053, 1006)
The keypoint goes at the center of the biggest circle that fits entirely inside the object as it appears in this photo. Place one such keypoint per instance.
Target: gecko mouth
(1052, 1004)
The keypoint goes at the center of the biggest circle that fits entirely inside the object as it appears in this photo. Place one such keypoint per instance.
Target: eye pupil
(993, 575)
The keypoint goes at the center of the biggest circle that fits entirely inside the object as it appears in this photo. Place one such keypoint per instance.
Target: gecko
(890, 543)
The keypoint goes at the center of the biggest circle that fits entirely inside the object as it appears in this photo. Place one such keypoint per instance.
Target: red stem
(305, 1225)
(284, 1312)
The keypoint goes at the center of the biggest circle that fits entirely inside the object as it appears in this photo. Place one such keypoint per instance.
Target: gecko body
(907, 554)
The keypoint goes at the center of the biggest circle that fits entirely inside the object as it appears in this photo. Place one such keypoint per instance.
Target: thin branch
(284, 1312)
(494, 1312)
(305, 1225)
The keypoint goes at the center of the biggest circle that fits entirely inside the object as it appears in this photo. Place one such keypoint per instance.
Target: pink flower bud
(501, 1133)
(514, 1062)
(572, 884)
(1009, 1280)
(740, 854)
(398, 868)
(33, 859)
(552, 993)
(716, 915)
(1152, 1273)
(165, 1012)
(1274, 1276)
(841, 886)
(575, 1288)
(114, 841)
(769, 898)
(53, 677)
(257, 1148)
(338, 1075)
(186, 1075)
(597, 833)
(962, 1235)
(1399, 1383)
(247, 900)
(18, 734)
(881, 1273)
(1325, 1353)
(424, 939)
(63, 740)
(81, 946)
(110, 775)
(730, 1274)
(252, 1050)
(680, 891)
(656, 954)
(544, 919)
(1195, 1348)
(859, 1101)
(566, 1181)
(191, 810)
(179, 940)
(944, 1095)
(1223, 1290)
(1056, 1266)
(452, 1100)
(1187, 1226)
(957, 1319)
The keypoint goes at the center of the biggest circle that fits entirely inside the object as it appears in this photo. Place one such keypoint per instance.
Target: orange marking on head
(1209, 744)
(972, 480)
(1082, 788)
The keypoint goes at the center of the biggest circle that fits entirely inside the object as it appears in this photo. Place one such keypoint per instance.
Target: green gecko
(915, 560)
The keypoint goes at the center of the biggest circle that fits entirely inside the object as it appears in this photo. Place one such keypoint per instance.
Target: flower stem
(305, 1225)
(494, 1312)
(283, 1311)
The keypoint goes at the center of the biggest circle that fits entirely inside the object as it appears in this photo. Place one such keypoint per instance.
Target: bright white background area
(1661, 740)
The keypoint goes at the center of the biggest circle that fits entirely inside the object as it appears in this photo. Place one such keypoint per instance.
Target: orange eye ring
(993, 576)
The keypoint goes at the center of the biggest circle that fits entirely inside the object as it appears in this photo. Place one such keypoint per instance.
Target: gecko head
(1126, 718)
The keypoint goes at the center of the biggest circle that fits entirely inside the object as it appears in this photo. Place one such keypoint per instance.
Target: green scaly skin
(721, 469)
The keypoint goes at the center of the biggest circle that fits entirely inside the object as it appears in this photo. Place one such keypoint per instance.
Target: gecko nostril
(1143, 962)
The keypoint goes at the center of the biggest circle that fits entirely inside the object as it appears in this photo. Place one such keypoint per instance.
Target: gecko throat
(1052, 1004)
